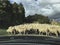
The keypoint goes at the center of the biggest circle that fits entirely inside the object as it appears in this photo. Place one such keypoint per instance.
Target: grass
(3, 32)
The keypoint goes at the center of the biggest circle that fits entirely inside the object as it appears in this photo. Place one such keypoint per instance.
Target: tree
(15, 13)
(5, 13)
(11, 14)
(21, 13)
(37, 18)
(18, 14)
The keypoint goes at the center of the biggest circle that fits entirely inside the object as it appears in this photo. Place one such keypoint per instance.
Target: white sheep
(40, 27)
(10, 29)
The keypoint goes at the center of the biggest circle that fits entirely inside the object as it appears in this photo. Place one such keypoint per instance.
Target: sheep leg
(24, 32)
(56, 34)
(47, 33)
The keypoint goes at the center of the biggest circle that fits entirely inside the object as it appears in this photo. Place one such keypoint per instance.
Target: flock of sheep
(35, 28)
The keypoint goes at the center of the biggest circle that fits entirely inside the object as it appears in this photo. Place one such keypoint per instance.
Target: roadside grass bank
(3, 32)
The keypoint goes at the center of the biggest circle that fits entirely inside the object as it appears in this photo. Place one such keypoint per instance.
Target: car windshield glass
(30, 22)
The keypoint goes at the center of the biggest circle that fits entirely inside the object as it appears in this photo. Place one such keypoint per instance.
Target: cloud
(17, 1)
(54, 1)
(57, 7)
(46, 12)
(45, 7)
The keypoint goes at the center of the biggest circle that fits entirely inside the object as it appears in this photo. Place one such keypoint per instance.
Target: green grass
(3, 32)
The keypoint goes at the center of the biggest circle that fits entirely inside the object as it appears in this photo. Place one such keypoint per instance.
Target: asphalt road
(22, 44)
(28, 40)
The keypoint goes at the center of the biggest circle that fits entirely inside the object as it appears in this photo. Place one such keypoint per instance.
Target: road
(28, 40)
(22, 44)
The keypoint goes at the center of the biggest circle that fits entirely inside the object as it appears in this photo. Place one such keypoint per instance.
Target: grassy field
(3, 32)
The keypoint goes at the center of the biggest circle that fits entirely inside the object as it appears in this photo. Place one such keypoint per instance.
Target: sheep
(20, 29)
(44, 28)
(58, 30)
(10, 29)
(53, 30)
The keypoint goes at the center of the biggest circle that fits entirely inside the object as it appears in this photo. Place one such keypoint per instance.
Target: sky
(45, 7)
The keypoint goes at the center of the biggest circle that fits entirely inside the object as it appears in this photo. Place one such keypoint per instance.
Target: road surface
(28, 40)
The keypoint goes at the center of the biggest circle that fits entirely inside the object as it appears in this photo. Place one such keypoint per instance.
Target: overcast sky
(45, 7)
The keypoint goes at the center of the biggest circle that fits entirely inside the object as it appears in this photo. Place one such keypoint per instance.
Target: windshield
(29, 22)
